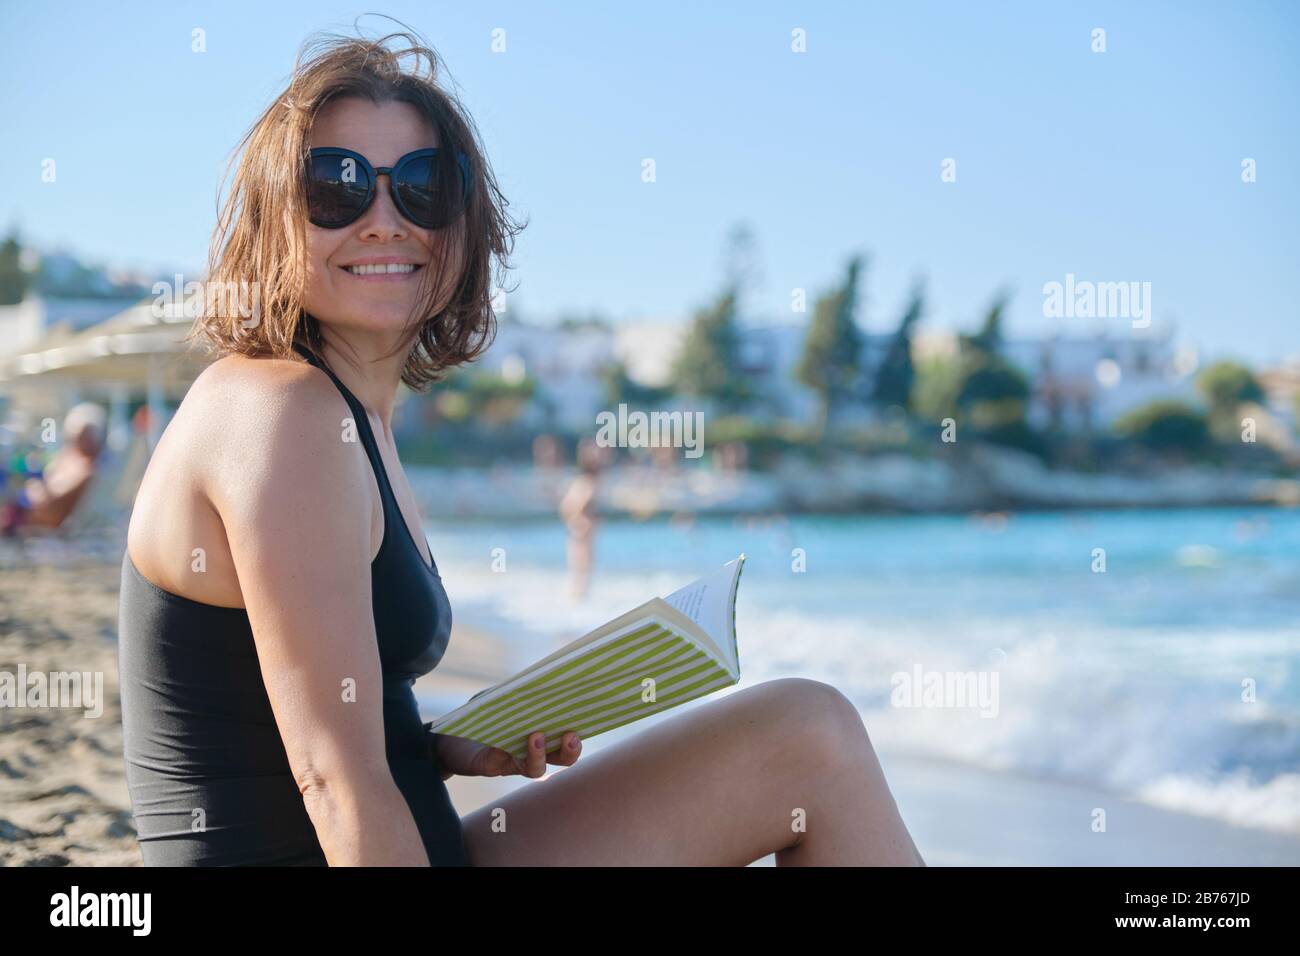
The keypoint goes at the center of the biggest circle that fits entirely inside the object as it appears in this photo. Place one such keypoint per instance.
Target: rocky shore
(984, 480)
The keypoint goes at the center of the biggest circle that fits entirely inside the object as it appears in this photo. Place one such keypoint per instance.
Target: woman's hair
(260, 237)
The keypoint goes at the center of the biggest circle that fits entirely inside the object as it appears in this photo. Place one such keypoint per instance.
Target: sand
(63, 797)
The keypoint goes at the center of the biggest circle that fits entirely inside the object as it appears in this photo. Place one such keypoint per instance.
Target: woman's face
(382, 133)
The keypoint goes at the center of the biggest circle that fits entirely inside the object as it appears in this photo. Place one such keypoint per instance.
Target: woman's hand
(456, 755)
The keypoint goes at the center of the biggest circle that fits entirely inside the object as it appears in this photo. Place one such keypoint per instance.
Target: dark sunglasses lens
(337, 187)
(431, 194)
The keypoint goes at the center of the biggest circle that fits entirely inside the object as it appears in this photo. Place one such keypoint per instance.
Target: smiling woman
(278, 600)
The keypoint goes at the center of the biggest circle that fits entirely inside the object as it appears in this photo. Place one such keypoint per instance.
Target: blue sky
(1117, 166)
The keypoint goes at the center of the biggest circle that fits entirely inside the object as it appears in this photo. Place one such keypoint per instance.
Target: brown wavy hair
(260, 234)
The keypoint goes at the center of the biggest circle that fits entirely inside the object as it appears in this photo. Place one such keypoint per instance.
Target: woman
(277, 595)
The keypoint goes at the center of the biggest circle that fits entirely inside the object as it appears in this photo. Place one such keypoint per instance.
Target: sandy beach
(63, 798)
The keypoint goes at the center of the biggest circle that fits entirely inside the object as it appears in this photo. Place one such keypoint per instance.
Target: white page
(708, 602)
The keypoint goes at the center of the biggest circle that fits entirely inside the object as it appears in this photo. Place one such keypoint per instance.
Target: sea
(1153, 654)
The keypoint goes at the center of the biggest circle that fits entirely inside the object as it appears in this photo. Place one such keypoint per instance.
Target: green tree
(993, 394)
(708, 366)
(741, 261)
(992, 378)
(989, 338)
(936, 387)
(1166, 425)
(1226, 385)
(895, 376)
(831, 364)
(14, 282)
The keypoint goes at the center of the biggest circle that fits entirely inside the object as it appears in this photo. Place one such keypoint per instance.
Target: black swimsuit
(207, 771)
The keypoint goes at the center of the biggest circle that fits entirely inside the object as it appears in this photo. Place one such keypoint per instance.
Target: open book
(654, 657)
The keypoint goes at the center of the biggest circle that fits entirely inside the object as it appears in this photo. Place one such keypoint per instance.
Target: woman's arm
(297, 504)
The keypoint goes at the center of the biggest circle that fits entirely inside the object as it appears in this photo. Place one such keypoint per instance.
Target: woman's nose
(383, 218)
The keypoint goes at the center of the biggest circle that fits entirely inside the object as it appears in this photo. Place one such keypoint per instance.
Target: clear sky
(1115, 166)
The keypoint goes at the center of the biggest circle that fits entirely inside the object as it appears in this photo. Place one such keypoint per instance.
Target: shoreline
(883, 484)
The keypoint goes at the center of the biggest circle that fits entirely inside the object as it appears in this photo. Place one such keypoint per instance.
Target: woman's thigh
(714, 785)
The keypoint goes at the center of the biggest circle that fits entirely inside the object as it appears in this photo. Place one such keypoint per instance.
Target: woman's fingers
(534, 762)
(536, 759)
(570, 748)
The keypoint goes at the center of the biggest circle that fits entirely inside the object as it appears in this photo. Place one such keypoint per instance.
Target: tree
(993, 393)
(1226, 385)
(985, 375)
(741, 261)
(14, 282)
(1166, 425)
(831, 364)
(989, 338)
(937, 385)
(708, 364)
(895, 375)
(992, 379)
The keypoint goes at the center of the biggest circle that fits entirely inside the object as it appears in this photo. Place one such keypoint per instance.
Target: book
(656, 656)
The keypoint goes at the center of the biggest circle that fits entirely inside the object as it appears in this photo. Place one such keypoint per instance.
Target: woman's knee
(816, 718)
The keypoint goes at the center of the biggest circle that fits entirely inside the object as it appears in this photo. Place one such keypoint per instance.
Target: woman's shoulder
(282, 413)
(247, 428)
(237, 381)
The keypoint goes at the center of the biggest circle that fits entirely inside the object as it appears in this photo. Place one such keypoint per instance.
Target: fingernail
(539, 743)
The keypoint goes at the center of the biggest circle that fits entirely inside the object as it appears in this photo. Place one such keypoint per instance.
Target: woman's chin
(368, 314)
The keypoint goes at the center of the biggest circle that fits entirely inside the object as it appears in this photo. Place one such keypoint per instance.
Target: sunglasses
(341, 185)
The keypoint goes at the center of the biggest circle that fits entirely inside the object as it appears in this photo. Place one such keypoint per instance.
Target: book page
(710, 603)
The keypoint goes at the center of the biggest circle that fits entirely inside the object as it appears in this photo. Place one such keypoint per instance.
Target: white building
(1087, 382)
(567, 363)
(769, 356)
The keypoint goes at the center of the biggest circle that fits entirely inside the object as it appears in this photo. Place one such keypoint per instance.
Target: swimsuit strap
(392, 510)
(362, 420)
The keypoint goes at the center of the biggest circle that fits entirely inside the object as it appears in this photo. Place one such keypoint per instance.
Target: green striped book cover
(666, 652)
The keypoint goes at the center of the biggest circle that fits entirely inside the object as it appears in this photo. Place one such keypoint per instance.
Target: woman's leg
(782, 767)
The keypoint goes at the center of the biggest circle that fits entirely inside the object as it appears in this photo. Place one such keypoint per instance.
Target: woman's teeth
(384, 268)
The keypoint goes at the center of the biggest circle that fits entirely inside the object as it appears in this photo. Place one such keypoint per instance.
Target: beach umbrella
(137, 353)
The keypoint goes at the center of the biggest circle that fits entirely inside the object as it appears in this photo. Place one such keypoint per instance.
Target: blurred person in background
(578, 512)
(47, 500)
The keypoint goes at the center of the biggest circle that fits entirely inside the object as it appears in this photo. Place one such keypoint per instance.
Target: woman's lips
(370, 273)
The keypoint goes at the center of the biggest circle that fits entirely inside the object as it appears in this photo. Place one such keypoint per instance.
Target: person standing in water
(579, 514)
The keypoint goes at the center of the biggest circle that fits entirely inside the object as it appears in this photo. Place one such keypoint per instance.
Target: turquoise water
(1131, 680)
